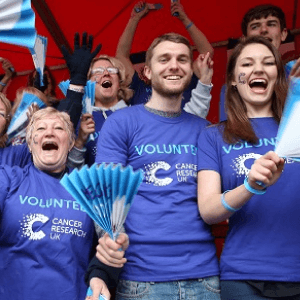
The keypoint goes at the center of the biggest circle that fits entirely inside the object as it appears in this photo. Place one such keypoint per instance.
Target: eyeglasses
(101, 70)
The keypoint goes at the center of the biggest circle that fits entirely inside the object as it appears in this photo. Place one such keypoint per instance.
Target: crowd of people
(195, 174)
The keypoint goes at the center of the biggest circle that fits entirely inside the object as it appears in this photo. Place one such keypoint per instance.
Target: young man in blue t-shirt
(171, 251)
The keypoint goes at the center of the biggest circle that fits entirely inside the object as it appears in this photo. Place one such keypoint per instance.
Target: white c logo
(27, 225)
(151, 170)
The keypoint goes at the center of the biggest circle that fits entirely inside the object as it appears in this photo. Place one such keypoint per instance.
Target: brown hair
(124, 92)
(49, 88)
(238, 126)
(171, 37)
(263, 11)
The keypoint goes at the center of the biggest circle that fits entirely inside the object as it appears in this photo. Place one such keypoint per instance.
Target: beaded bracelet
(251, 189)
(226, 205)
(189, 25)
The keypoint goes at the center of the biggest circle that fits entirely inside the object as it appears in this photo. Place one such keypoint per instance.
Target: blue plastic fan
(105, 192)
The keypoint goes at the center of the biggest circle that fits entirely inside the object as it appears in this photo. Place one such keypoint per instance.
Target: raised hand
(79, 61)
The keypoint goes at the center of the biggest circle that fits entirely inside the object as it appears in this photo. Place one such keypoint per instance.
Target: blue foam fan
(19, 119)
(105, 192)
(17, 23)
(288, 137)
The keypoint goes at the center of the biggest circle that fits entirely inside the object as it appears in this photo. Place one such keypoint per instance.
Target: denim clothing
(198, 289)
(241, 290)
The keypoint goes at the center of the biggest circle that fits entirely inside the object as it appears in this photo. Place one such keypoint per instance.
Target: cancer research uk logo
(27, 226)
(31, 223)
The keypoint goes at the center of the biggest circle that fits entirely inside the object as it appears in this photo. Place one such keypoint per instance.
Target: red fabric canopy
(218, 20)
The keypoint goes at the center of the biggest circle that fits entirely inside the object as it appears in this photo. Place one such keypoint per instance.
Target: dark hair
(171, 37)
(263, 11)
(238, 127)
(49, 82)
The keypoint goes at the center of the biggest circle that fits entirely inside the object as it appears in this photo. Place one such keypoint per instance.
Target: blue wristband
(226, 205)
(189, 25)
(3, 84)
(251, 189)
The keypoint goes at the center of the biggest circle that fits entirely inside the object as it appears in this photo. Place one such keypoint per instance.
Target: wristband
(76, 89)
(3, 84)
(251, 189)
(226, 205)
(189, 25)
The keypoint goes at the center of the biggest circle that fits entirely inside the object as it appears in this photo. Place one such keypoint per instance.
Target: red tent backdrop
(219, 20)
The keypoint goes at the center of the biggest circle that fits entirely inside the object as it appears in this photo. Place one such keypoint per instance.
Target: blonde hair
(124, 93)
(50, 111)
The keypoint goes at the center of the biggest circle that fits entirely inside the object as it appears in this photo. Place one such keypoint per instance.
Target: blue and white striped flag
(17, 23)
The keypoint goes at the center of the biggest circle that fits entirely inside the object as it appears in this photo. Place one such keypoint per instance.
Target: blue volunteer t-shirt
(18, 155)
(45, 238)
(168, 238)
(263, 240)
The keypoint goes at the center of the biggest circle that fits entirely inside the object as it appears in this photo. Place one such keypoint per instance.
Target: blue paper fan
(38, 53)
(288, 137)
(88, 100)
(105, 192)
(19, 119)
(90, 293)
(17, 23)
(64, 85)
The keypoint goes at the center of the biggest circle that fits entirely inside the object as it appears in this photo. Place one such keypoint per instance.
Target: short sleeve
(112, 145)
(208, 156)
(6, 173)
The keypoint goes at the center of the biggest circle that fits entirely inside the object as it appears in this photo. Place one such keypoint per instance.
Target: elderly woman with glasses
(45, 237)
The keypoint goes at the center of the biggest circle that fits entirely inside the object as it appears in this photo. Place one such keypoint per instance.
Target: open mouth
(269, 39)
(258, 85)
(106, 84)
(48, 146)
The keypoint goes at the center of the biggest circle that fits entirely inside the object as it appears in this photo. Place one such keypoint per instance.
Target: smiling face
(108, 84)
(170, 68)
(269, 28)
(255, 75)
(50, 144)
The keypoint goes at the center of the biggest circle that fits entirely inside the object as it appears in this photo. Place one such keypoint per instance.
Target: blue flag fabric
(17, 23)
